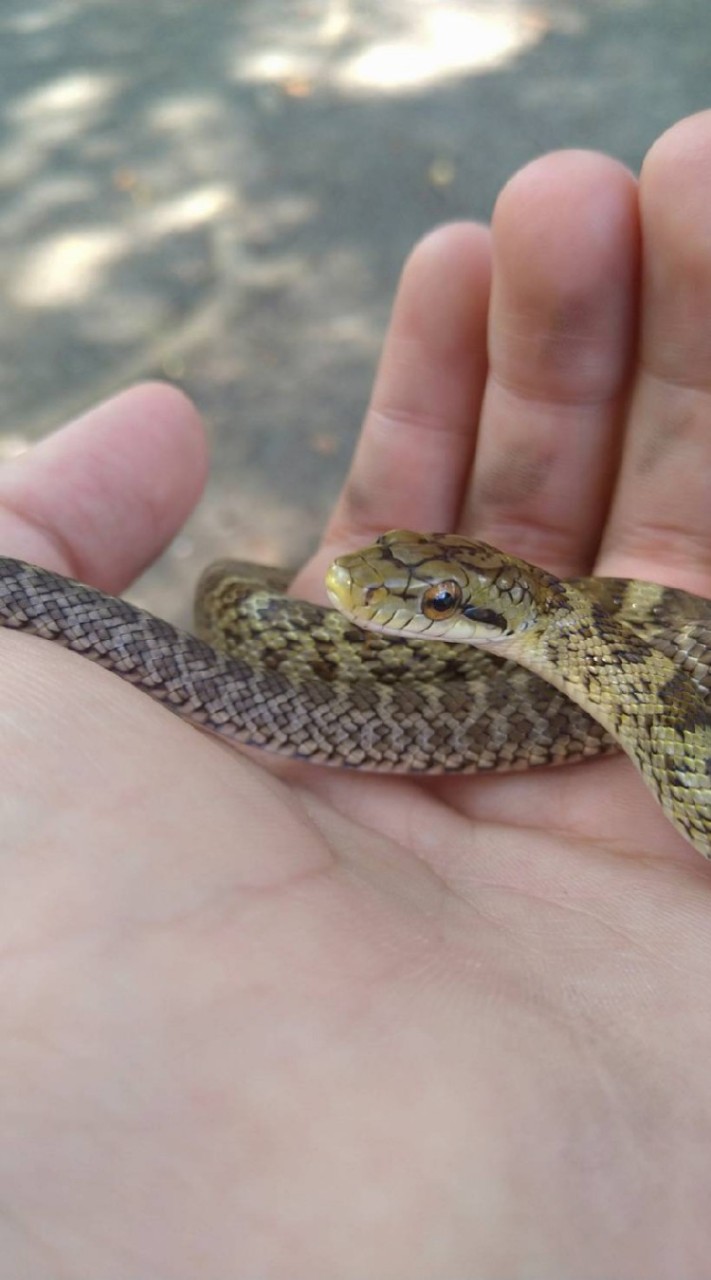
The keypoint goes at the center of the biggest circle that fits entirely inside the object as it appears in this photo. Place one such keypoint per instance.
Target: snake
(441, 655)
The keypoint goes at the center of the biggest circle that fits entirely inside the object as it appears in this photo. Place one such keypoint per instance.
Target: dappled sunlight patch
(443, 41)
(72, 95)
(417, 45)
(185, 113)
(191, 209)
(36, 20)
(66, 267)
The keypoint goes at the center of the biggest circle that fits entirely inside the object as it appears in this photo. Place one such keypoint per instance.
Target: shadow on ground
(223, 194)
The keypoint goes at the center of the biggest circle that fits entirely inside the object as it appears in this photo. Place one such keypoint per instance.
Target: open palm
(266, 1020)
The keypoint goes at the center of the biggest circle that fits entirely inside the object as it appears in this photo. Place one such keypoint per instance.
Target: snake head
(437, 586)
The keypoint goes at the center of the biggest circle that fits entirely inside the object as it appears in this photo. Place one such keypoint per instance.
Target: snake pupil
(440, 601)
(443, 601)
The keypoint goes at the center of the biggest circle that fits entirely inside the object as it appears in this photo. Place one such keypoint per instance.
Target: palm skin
(261, 1019)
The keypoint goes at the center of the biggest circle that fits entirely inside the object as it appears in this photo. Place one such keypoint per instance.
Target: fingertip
(675, 187)
(156, 426)
(444, 287)
(459, 240)
(571, 167)
(680, 149)
(169, 409)
(566, 255)
(558, 205)
(100, 498)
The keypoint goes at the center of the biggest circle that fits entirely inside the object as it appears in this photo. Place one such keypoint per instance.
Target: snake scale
(577, 668)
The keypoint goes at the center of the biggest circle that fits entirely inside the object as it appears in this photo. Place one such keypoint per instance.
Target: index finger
(412, 460)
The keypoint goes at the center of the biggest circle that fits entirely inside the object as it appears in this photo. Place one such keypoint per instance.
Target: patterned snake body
(635, 656)
(291, 677)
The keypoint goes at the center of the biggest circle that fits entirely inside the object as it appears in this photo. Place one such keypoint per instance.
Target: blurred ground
(222, 192)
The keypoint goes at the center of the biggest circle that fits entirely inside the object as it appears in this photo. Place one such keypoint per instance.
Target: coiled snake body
(586, 666)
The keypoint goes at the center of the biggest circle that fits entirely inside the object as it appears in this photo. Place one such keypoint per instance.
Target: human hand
(281, 1021)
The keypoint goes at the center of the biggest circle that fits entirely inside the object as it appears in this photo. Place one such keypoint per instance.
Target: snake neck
(648, 702)
(597, 661)
(602, 664)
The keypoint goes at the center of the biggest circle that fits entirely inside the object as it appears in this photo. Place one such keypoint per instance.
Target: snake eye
(441, 600)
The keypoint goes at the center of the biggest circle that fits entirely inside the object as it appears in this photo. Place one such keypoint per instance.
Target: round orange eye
(441, 600)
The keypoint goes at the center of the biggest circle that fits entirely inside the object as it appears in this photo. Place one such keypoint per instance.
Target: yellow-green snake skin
(612, 664)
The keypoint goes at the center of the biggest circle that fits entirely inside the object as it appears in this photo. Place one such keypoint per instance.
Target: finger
(415, 448)
(660, 521)
(561, 341)
(100, 499)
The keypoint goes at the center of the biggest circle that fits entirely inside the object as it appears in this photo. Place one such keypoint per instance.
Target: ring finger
(561, 340)
(660, 520)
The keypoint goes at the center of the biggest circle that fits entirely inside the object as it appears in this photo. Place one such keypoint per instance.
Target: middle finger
(561, 342)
